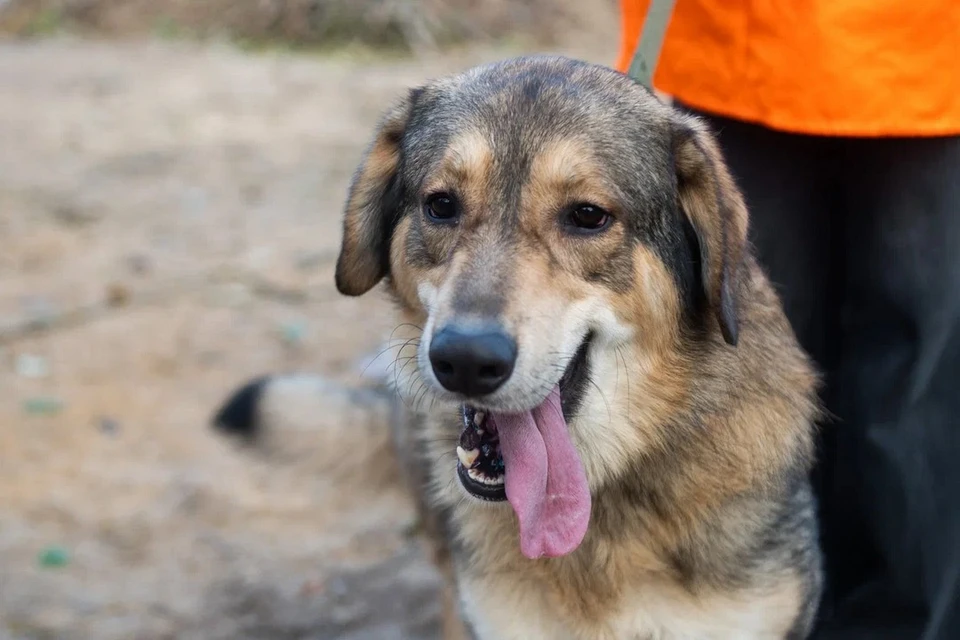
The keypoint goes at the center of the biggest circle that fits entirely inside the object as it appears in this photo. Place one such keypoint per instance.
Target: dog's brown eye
(588, 218)
(441, 207)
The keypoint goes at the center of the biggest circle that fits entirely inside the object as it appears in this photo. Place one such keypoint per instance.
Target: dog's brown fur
(696, 425)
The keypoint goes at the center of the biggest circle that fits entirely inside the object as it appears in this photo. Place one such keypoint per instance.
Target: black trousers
(861, 237)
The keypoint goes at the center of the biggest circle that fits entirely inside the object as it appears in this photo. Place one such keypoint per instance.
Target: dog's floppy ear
(373, 202)
(715, 208)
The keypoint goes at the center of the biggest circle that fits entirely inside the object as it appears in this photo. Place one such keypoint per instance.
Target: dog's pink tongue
(545, 481)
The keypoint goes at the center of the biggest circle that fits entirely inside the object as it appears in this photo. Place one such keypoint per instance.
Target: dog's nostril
(490, 371)
(472, 362)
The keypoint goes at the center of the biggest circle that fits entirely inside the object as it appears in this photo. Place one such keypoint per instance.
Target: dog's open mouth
(479, 459)
(529, 460)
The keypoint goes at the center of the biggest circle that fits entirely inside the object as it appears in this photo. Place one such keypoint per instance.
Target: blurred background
(171, 178)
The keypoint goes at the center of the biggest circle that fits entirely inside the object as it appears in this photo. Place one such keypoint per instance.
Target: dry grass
(406, 24)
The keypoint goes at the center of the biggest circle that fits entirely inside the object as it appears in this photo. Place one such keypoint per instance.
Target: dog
(604, 413)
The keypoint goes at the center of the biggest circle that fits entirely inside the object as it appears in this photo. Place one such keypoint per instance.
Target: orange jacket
(829, 67)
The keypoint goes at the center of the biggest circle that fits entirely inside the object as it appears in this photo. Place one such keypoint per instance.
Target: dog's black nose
(472, 362)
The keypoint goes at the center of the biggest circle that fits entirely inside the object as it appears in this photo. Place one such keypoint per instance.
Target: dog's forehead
(521, 105)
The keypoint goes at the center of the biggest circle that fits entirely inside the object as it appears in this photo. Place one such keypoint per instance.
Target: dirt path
(168, 225)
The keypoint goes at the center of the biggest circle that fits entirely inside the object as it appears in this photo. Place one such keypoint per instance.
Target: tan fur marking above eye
(564, 171)
(466, 168)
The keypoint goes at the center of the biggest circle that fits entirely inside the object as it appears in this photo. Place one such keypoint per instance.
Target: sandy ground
(168, 226)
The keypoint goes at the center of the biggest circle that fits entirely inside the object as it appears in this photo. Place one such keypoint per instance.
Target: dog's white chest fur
(509, 611)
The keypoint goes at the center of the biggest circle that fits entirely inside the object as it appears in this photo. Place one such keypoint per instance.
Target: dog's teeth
(467, 458)
(482, 479)
(478, 418)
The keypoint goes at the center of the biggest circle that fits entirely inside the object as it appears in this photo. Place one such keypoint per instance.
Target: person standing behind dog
(841, 122)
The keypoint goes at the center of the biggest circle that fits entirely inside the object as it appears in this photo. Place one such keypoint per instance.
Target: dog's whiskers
(390, 346)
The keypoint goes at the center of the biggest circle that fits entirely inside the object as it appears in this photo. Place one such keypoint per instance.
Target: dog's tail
(311, 420)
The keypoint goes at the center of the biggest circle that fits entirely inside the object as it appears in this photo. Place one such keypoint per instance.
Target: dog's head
(534, 217)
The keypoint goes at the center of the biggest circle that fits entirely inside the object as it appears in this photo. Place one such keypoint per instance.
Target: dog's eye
(441, 207)
(588, 218)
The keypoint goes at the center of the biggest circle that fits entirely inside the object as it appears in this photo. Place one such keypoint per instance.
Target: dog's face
(535, 218)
